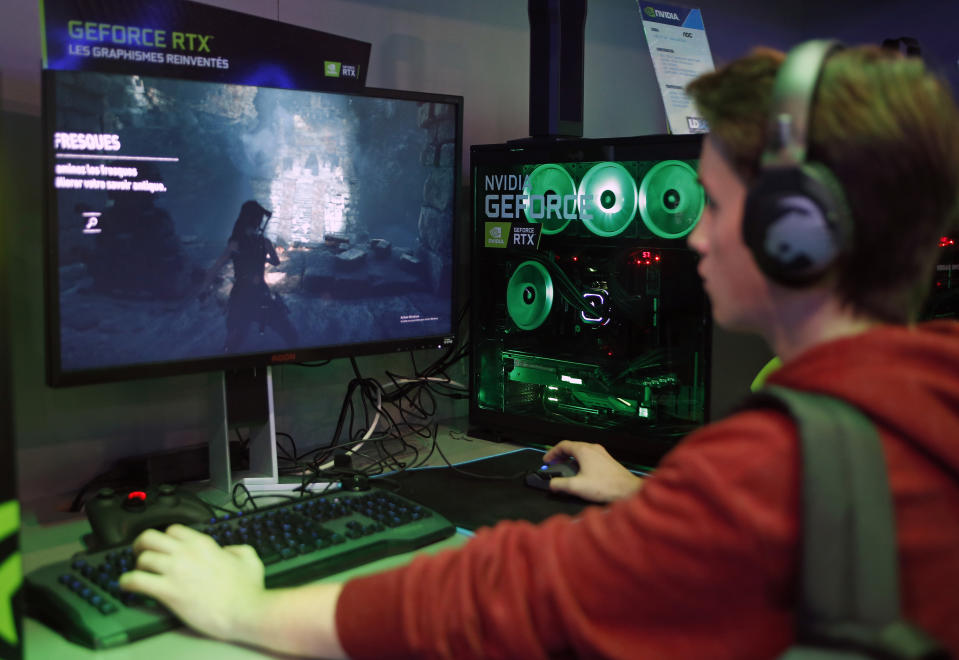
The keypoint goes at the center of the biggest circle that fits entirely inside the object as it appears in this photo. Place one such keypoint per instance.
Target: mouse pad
(496, 492)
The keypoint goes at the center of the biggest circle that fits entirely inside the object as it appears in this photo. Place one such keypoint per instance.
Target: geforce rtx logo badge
(652, 12)
(338, 70)
(525, 236)
(496, 234)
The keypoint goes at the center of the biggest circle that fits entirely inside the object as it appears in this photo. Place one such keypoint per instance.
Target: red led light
(575, 258)
(137, 495)
(945, 241)
(645, 258)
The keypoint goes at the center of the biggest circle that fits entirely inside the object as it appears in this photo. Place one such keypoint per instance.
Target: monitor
(197, 226)
(589, 320)
(204, 226)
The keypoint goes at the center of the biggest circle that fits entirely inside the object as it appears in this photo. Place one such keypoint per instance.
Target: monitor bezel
(57, 376)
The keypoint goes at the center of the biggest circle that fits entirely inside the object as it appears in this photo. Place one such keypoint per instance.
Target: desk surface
(44, 543)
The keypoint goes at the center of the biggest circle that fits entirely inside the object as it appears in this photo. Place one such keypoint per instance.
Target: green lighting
(529, 295)
(549, 180)
(608, 195)
(671, 200)
(11, 571)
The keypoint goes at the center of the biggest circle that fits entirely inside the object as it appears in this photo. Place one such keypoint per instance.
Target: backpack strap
(849, 577)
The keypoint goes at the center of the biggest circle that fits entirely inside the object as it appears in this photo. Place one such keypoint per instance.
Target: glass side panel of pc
(198, 225)
(589, 318)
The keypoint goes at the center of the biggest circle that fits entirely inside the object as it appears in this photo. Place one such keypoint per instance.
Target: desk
(46, 543)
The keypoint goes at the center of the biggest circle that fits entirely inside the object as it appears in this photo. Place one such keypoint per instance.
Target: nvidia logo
(331, 69)
(496, 234)
(652, 12)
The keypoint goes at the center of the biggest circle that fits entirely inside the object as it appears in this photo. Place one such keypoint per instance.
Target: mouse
(540, 477)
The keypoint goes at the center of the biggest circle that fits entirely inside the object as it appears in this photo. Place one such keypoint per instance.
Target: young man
(700, 560)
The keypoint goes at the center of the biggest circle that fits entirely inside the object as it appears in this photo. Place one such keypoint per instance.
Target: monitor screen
(196, 225)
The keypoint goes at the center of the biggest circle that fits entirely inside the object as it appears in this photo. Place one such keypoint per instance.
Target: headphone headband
(792, 99)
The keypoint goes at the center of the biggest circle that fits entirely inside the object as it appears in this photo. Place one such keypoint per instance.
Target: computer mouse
(541, 477)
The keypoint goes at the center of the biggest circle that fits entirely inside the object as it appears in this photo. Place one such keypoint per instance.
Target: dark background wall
(476, 49)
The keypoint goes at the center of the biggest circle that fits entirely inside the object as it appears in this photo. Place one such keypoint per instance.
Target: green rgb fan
(529, 295)
(609, 199)
(670, 199)
(548, 180)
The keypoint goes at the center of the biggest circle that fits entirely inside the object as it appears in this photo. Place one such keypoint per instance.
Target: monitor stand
(244, 399)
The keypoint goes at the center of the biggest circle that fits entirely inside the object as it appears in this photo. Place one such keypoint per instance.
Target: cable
(413, 405)
(474, 475)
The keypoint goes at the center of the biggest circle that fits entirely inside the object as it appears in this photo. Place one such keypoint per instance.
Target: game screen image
(193, 220)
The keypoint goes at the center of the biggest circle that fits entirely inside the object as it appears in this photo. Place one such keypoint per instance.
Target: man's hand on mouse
(601, 478)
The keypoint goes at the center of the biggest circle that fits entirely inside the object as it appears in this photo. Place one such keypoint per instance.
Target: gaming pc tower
(589, 319)
(943, 300)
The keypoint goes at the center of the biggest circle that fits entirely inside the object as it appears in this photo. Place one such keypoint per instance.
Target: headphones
(796, 220)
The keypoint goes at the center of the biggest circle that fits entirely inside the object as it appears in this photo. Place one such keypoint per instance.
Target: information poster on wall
(680, 51)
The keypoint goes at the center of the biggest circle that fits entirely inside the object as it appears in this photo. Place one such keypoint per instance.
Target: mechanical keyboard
(298, 541)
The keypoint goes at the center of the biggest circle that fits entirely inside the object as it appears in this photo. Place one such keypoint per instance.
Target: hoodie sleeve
(704, 549)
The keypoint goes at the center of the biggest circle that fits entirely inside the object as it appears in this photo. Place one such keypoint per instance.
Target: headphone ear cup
(796, 223)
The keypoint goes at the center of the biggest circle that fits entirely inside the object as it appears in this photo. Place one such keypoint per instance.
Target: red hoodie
(702, 562)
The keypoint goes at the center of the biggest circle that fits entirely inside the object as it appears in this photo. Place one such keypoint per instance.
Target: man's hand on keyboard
(208, 587)
(220, 592)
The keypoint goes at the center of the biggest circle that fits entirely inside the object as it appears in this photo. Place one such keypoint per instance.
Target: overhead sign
(680, 51)
(183, 39)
